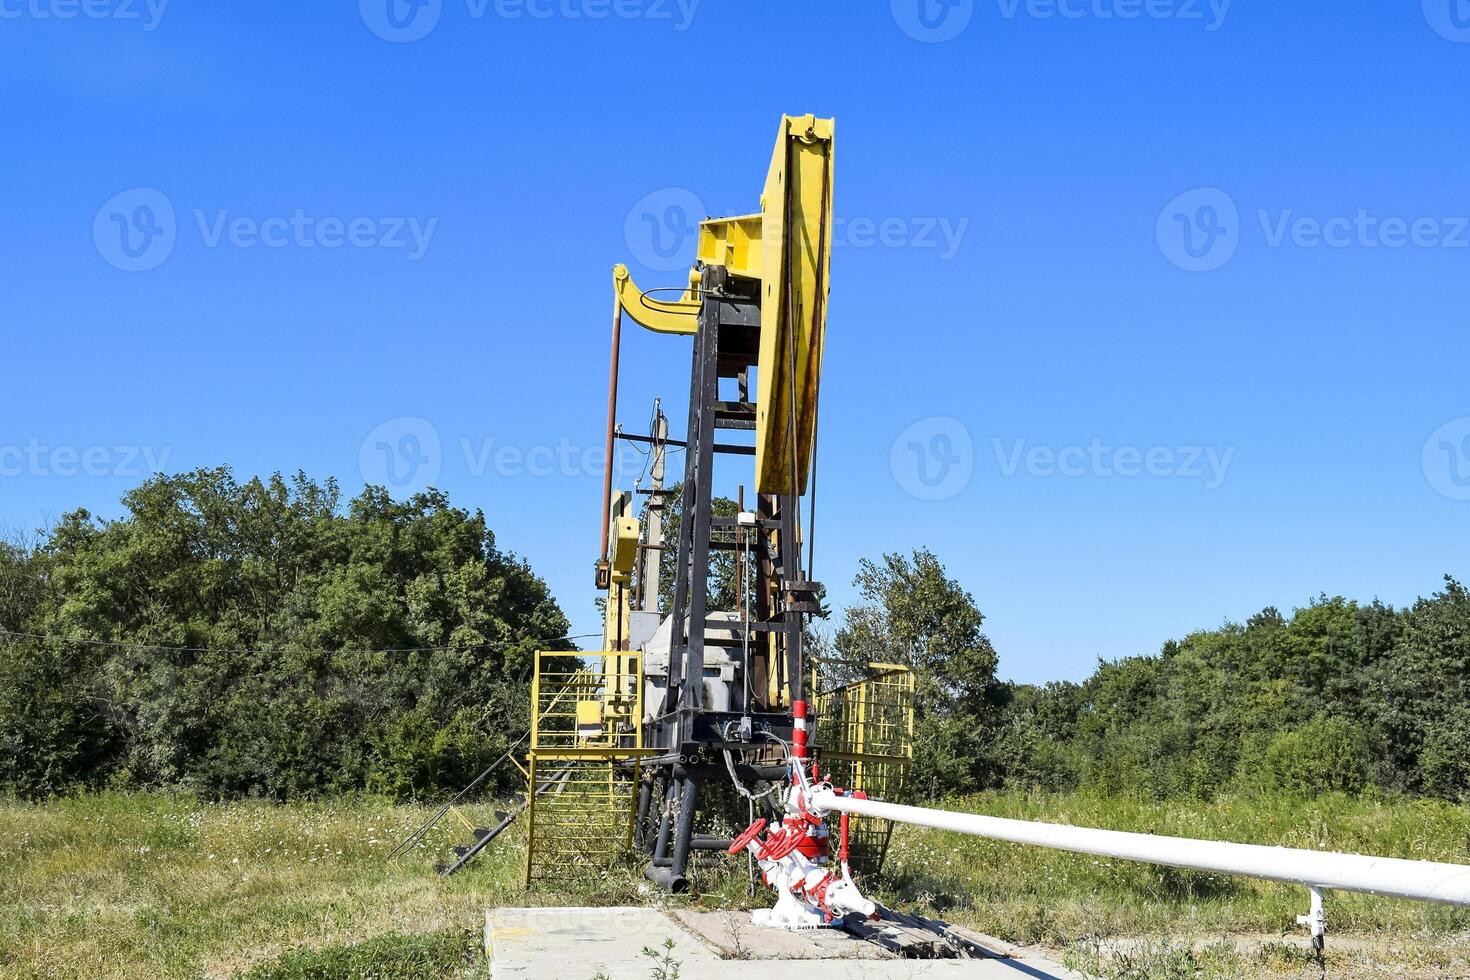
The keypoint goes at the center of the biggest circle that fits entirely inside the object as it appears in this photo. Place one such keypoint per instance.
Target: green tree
(1444, 760)
(1323, 756)
(914, 614)
(724, 583)
(263, 638)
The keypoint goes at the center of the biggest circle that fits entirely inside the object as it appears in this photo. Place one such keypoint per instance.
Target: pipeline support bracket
(1316, 920)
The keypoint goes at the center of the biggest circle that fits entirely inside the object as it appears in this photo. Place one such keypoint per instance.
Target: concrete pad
(733, 937)
(581, 944)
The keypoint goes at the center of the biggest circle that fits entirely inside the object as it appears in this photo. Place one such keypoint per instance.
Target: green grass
(120, 886)
(423, 957)
(160, 886)
(1164, 960)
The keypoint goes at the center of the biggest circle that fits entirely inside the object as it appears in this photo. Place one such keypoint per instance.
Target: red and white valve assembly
(795, 857)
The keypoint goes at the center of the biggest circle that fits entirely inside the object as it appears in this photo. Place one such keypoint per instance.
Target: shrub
(1325, 755)
(1444, 762)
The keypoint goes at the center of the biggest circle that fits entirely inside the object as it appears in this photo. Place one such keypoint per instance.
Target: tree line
(270, 638)
(265, 638)
(1339, 696)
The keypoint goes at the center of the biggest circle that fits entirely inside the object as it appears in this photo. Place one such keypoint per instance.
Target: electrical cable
(811, 529)
(730, 768)
(643, 299)
(156, 648)
(423, 828)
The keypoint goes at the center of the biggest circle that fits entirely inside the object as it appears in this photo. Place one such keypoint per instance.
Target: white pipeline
(1427, 881)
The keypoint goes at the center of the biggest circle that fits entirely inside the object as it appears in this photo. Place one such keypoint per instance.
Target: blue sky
(1146, 314)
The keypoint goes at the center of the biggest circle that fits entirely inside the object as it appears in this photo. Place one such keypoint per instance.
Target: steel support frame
(691, 736)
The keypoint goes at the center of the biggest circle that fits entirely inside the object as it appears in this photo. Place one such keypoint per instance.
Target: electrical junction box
(724, 668)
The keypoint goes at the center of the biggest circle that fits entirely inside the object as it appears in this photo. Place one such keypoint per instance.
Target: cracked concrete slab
(586, 944)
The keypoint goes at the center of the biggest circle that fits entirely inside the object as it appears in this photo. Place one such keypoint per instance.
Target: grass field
(159, 886)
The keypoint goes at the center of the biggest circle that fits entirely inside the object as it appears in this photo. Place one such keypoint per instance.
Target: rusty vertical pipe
(612, 417)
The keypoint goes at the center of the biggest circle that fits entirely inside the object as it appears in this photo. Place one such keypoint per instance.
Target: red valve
(779, 845)
(751, 833)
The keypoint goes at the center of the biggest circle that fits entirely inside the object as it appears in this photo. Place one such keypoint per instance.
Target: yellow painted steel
(622, 555)
(735, 243)
(581, 784)
(675, 316)
(787, 248)
(866, 733)
(616, 615)
(589, 715)
(796, 246)
(624, 548)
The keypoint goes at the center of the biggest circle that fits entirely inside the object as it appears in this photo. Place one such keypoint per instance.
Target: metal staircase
(583, 761)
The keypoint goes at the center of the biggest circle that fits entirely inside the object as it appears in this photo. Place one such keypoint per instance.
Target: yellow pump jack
(685, 694)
